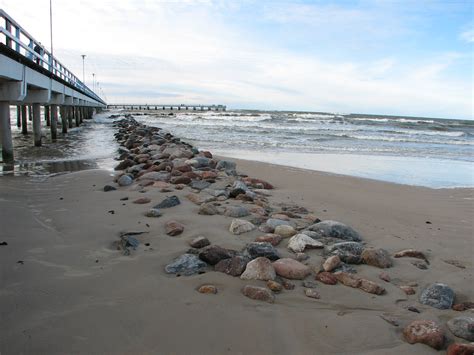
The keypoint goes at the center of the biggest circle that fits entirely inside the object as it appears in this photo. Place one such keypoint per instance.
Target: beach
(65, 288)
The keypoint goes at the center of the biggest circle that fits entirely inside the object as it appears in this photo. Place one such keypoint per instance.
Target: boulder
(239, 226)
(334, 229)
(255, 249)
(425, 332)
(208, 209)
(168, 202)
(461, 349)
(273, 239)
(125, 180)
(186, 264)
(331, 263)
(199, 242)
(300, 242)
(259, 269)
(326, 278)
(349, 252)
(377, 257)
(200, 184)
(213, 254)
(462, 327)
(273, 223)
(285, 231)
(234, 266)
(225, 165)
(438, 295)
(156, 176)
(236, 211)
(258, 293)
(291, 269)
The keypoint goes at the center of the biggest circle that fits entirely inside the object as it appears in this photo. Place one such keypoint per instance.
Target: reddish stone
(371, 287)
(408, 290)
(208, 175)
(463, 306)
(274, 286)
(385, 277)
(161, 184)
(192, 175)
(181, 180)
(461, 349)
(326, 278)
(208, 289)
(257, 183)
(425, 332)
(183, 168)
(258, 293)
(347, 279)
(174, 228)
(142, 200)
(291, 269)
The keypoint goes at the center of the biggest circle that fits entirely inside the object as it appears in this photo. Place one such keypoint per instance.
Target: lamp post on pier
(83, 71)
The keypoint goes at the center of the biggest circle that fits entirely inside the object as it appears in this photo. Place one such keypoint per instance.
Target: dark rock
(200, 184)
(258, 293)
(462, 327)
(108, 188)
(413, 309)
(124, 164)
(438, 295)
(349, 252)
(3, 243)
(335, 229)
(234, 266)
(309, 284)
(225, 165)
(255, 249)
(168, 202)
(213, 254)
(199, 242)
(425, 332)
(186, 264)
(181, 180)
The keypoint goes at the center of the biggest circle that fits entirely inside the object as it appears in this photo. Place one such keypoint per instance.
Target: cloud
(467, 36)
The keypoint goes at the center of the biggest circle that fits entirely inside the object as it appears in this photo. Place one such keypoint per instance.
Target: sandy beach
(66, 289)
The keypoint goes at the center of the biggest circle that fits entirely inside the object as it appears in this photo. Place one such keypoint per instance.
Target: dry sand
(74, 294)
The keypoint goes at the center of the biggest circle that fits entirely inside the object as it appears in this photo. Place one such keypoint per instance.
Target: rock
(301, 256)
(348, 279)
(199, 242)
(258, 293)
(174, 228)
(200, 184)
(125, 180)
(108, 188)
(213, 254)
(236, 211)
(169, 202)
(156, 176)
(281, 216)
(312, 293)
(142, 200)
(257, 183)
(207, 289)
(349, 252)
(200, 199)
(161, 185)
(371, 287)
(309, 284)
(259, 269)
(225, 165)
(326, 278)
(273, 239)
(413, 309)
(285, 231)
(437, 295)
(208, 175)
(273, 223)
(464, 306)
(462, 327)
(255, 249)
(333, 229)
(343, 267)
(300, 242)
(377, 257)
(420, 264)
(186, 264)
(408, 290)
(461, 349)
(291, 269)
(425, 332)
(264, 228)
(412, 254)
(234, 266)
(186, 180)
(385, 277)
(208, 209)
(239, 226)
(274, 286)
(124, 164)
(153, 212)
(331, 263)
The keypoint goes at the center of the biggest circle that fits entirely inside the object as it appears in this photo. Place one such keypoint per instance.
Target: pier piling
(24, 120)
(6, 132)
(47, 115)
(37, 124)
(18, 116)
(54, 121)
(64, 123)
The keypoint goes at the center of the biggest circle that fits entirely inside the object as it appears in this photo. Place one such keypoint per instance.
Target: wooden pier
(157, 107)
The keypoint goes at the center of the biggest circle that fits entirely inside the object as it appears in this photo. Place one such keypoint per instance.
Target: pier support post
(18, 116)
(6, 132)
(30, 113)
(64, 123)
(54, 121)
(37, 124)
(47, 115)
(24, 120)
(70, 116)
(76, 116)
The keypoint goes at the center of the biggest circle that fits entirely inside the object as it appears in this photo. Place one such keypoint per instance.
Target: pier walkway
(31, 77)
(168, 107)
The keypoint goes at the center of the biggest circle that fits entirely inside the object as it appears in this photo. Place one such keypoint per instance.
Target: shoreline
(74, 292)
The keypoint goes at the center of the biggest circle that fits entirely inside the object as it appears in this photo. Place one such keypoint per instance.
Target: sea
(429, 152)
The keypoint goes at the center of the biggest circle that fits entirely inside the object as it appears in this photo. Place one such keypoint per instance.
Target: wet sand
(73, 293)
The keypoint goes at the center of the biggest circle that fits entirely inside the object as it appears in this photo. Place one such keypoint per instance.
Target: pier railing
(13, 36)
(213, 107)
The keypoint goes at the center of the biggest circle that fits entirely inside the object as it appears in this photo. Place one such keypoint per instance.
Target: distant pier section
(168, 107)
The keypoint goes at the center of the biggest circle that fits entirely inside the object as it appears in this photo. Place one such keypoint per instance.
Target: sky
(400, 57)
